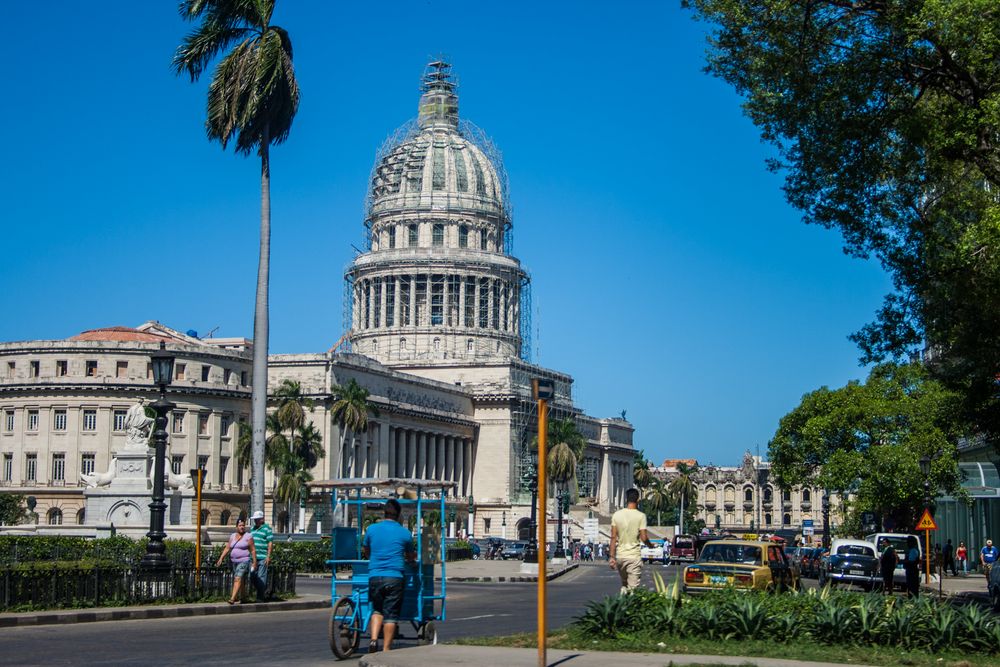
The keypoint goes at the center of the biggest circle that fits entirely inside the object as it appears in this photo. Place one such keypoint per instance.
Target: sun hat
(257, 515)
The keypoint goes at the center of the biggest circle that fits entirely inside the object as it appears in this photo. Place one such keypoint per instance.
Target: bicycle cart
(351, 500)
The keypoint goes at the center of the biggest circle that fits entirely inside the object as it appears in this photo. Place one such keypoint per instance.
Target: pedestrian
(263, 538)
(628, 533)
(387, 545)
(949, 558)
(911, 565)
(241, 555)
(987, 556)
(962, 555)
(887, 565)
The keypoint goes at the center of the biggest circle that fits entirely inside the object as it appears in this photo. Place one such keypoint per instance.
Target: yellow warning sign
(926, 521)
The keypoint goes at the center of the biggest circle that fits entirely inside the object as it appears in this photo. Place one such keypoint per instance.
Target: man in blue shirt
(988, 556)
(386, 545)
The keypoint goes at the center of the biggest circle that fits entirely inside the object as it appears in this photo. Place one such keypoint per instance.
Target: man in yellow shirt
(628, 534)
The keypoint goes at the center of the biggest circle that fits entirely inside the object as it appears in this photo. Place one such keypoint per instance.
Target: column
(397, 307)
(383, 297)
(490, 323)
(387, 455)
(411, 454)
(432, 457)
(413, 305)
(421, 458)
(459, 467)
(446, 305)
(469, 464)
(449, 459)
(401, 452)
(461, 303)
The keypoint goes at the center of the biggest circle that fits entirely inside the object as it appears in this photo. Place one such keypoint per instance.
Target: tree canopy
(867, 439)
(886, 119)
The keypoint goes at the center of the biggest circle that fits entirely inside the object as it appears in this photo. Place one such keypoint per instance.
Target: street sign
(545, 390)
(926, 521)
(807, 527)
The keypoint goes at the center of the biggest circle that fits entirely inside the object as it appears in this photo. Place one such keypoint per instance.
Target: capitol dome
(438, 162)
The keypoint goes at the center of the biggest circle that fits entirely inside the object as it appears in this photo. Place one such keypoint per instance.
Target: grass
(805, 650)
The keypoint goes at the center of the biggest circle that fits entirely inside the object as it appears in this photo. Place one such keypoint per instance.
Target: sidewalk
(487, 571)
(444, 655)
(968, 588)
(94, 614)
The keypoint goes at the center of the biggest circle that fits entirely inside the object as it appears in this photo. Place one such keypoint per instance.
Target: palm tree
(657, 498)
(292, 405)
(308, 445)
(293, 478)
(682, 487)
(275, 444)
(565, 449)
(350, 411)
(642, 473)
(252, 101)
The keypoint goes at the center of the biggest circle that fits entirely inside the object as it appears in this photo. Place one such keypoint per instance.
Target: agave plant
(976, 629)
(747, 619)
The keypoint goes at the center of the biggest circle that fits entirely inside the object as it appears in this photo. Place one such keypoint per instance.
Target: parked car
(811, 560)
(850, 562)
(898, 541)
(794, 555)
(513, 550)
(741, 564)
(654, 553)
(993, 585)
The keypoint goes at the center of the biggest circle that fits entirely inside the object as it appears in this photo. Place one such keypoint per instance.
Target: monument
(118, 500)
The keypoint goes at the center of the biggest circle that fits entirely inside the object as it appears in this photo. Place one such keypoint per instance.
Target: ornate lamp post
(503, 526)
(562, 500)
(163, 371)
(472, 517)
(826, 519)
(531, 551)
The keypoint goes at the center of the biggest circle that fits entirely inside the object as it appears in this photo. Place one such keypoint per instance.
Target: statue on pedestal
(137, 427)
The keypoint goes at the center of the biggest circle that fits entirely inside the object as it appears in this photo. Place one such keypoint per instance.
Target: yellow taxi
(741, 564)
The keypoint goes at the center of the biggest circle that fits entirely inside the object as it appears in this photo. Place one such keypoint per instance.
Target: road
(292, 638)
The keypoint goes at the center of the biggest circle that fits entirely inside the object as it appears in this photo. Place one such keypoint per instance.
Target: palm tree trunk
(258, 396)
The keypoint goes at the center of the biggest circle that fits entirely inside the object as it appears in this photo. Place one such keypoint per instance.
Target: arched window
(204, 517)
(748, 495)
(767, 519)
(710, 496)
(786, 519)
(81, 516)
(768, 494)
(225, 517)
(730, 494)
(463, 236)
(54, 517)
(806, 496)
(412, 236)
(786, 496)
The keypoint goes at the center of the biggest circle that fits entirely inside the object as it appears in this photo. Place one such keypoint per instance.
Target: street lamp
(531, 551)
(503, 526)
(826, 519)
(925, 468)
(163, 371)
(562, 505)
(472, 517)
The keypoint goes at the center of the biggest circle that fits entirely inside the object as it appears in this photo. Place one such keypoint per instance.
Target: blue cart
(351, 501)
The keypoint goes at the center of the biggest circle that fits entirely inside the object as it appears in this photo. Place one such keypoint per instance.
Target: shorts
(241, 569)
(386, 597)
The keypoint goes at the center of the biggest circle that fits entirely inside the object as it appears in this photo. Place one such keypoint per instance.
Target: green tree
(642, 471)
(886, 120)
(565, 445)
(252, 100)
(682, 488)
(12, 509)
(350, 410)
(274, 446)
(292, 406)
(657, 498)
(867, 440)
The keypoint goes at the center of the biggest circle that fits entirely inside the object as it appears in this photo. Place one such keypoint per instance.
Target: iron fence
(76, 587)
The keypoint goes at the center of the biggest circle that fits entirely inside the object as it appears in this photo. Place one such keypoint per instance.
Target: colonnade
(435, 299)
(391, 451)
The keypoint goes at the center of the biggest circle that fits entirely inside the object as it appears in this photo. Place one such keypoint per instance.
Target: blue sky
(670, 278)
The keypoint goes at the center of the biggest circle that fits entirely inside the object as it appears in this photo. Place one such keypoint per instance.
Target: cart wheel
(345, 635)
(427, 634)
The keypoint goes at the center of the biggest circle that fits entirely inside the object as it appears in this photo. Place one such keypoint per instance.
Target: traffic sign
(926, 521)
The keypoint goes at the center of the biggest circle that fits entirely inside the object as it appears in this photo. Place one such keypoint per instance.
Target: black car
(850, 562)
(993, 585)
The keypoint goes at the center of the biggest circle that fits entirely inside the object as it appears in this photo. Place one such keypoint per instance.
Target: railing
(52, 588)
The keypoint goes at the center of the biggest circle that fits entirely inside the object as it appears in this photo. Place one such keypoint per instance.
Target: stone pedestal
(124, 502)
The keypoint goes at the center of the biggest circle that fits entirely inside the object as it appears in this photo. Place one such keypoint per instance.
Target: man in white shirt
(628, 534)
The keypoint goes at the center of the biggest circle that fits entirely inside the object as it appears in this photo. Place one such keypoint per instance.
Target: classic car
(993, 586)
(740, 564)
(850, 562)
(654, 553)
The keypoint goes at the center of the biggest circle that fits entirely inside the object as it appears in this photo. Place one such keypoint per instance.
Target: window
(786, 496)
(8, 421)
(90, 420)
(806, 496)
(203, 423)
(411, 239)
(204, 373)
(92, 368)
(768, 494)
(59, 420)
(461, 176)
(486, 525)
(119, 419)
(179, 371)
(62, 368)
(223, 466)
(8, 466)
(402, 345)
(224, 426)
(767, 519)
(748, 495)
(33, 368)
(87, 463)
(243, 378)
(11, 369)
(176, 463)
(32, 420)
(437, 170)
(480, 180)
(483, 242)
(54, 517)
(786, 519)
(121, 369)
(438, 235)
(392, 236)
(437, 344)
(81, 516)
(178, 422)
(31, 467)
(224, 517)
(470, 345)
(59, 467)
(203, 462)
(463, 237)
(226, 375)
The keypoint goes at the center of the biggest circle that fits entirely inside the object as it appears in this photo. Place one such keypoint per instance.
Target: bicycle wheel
(345, 631)
(427, 634)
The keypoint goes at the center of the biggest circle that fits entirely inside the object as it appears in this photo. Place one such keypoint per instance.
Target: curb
(516, 580)
(144, 613)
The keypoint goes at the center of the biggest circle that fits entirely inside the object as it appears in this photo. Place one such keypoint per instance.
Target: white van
(898, 542)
